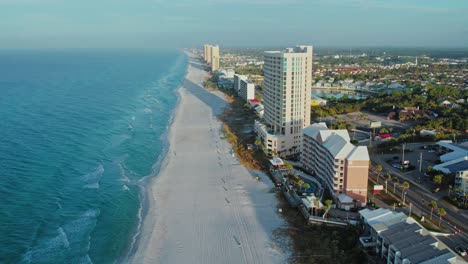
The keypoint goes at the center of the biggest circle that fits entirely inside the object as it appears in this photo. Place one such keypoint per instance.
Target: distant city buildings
(342, 167)
(400, 239)
(287, 95)
(211, 56)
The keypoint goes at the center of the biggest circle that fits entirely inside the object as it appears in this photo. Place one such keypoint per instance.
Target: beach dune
(204, 207)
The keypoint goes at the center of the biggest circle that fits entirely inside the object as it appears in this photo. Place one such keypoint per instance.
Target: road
(420, 198)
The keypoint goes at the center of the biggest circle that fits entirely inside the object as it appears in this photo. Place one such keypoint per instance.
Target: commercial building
(400, 239)
(341, 167)
(287, 90)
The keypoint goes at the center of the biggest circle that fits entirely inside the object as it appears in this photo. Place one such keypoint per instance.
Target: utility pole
(420, 162)
(403, 153)
(386, 185)
(409, 209)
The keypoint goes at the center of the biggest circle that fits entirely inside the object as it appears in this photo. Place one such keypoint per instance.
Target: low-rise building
(461, 181)
(400, 239)
(237, 79)
(342, 167)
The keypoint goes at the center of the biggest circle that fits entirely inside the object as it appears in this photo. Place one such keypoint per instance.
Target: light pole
(409, 209)
(403, 154)
(386, 185)
(404, 197)
(420, 161)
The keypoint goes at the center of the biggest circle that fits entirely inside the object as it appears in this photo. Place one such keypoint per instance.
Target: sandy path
(204, 206)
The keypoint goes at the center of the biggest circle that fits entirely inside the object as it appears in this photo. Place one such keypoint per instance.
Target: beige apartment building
(287, 95)
(207, 54)
(214, 58)
(341, 167)
(211, 56)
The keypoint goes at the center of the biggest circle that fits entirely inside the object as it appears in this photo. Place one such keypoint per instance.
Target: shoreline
(178, 223)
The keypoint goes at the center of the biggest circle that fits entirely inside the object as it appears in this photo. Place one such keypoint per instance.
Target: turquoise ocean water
(80, 132)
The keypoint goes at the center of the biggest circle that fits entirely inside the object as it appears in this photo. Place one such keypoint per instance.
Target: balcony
(367, 242)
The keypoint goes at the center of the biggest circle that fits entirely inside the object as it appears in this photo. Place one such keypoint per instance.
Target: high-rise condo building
(207, 53)
(287, 95)
(214, 58)
(341, 167)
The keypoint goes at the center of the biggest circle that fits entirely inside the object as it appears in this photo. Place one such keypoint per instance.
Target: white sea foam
(79, 230)
(148, 111)
(125, 188)
(133, 118)
(92, 179)
(46, 251)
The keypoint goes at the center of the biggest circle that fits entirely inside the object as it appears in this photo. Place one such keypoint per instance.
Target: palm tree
(288, 166)
(258, 142)
(405, 185)
(378, 169)
(300, 183)
(388, 177)
(433, 205)
(441, 212)
(327, 207)
(395, 183)
(438, 179)
(306, 186)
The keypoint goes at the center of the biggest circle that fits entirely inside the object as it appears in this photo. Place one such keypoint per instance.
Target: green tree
(383, 130)
(300, 183)
(438, 179)
(306, 186)
(258, 142)
(433, 205)
(378, 169)
(327, 207)
(288, 166)
(441, 213)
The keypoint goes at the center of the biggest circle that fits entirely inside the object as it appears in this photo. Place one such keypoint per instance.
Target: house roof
(343, 198)
(313, 130)
(336, 142)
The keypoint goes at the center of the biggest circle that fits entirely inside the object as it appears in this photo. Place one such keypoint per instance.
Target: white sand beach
(203, 206)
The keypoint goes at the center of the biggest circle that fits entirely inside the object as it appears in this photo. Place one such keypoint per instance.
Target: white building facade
(247, 90)
(287, 90)
(461, 181)
(237, 80)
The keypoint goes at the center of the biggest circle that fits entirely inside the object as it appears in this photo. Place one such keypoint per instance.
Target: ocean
(81, 132)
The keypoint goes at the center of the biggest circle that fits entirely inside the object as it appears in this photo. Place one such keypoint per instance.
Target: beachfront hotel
(342, 167)
(287, 90)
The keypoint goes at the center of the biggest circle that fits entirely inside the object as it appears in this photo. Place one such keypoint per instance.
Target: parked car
(460, 251)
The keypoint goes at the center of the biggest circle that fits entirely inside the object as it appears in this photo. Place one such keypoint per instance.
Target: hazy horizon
(42, 24)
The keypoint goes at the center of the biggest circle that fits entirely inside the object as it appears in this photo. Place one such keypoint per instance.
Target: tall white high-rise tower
(287, 95)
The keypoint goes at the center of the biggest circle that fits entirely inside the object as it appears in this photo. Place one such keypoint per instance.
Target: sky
(233, 23)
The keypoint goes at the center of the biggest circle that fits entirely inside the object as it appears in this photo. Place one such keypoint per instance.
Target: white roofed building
(342, 167)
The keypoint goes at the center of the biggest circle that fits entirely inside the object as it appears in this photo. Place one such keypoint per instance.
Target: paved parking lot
(413, 153)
